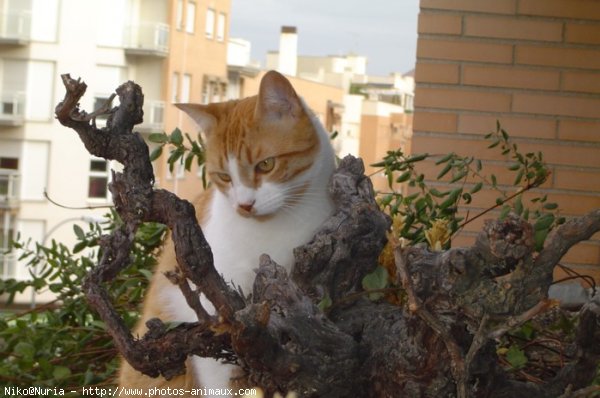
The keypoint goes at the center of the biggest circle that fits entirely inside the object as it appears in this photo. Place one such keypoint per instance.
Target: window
(204, 97)
(9, 163)
(179, 15)
(221, 27)
(44, 20)
(7, 261)
(190, 17)
(186, 85)
(178, 171)
(212, 91)
(99, 103)
(98, 180)
(175, 87)
(209, 30)
(8, 177)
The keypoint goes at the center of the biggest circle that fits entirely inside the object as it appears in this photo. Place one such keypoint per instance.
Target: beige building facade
(175, 49)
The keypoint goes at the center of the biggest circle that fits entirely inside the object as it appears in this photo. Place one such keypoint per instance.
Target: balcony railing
(154, 113)
(9, 189)
(12, 108)
(147, 39)
(8, 265)
(15, 27)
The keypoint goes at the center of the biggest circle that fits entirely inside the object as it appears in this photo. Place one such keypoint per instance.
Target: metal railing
(154, 113)
(9, 188)
(15, 26)
(147, 38)
(12, 107)
(8, 265)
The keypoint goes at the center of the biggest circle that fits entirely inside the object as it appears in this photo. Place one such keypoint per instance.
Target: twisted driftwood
(441, 345)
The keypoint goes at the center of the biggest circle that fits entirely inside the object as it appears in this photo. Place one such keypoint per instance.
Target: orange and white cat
(269, 160)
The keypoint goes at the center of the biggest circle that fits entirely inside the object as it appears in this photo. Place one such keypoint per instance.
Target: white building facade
(104, 43)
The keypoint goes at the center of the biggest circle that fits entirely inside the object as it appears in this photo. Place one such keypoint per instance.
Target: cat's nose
(247, 207)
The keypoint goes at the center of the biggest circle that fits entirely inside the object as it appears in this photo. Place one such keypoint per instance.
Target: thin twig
(192, 298)
(520, 319)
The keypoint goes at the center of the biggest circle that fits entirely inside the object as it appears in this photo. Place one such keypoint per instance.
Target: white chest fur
(237, 243)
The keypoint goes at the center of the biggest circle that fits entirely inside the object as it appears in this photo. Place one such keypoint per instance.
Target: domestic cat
(269, 161)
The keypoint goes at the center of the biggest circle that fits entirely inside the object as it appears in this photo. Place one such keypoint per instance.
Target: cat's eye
(224, 177)
(266, 165)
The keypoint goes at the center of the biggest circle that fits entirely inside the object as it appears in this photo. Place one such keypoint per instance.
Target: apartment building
(533, 65)
(175, 49)
(374, 113)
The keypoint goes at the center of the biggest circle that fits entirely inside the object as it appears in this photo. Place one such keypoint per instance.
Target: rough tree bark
(442, 344)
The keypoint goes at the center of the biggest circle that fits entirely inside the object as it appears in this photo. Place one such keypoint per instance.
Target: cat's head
(259, 149)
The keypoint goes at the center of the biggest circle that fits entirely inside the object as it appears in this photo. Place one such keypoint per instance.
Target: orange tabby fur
(269, 162)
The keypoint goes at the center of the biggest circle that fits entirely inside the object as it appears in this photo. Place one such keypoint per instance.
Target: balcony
(9, 189)
(8, 265)
(15, 27)
(12, 107)
(154, 112)
(150, 39)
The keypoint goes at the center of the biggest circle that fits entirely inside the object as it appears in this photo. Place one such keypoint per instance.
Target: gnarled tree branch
(460, 300)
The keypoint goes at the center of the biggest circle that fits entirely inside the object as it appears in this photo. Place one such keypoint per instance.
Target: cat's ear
(203, 115)
(276, 98)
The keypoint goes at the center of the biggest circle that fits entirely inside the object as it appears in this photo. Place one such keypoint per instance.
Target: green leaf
(155, 154)
(24, 349)
(526, 331)
(544, 222)
(519, 177)
(79, 246)
(467, 198)
(404, 176)
(147, 273)
(437, 193)
(518, 205)
(459, 176)
(377, 279)
(61, 372)
(540, 237)
(176, 137)
(550, 206)
(444, 171)
(494, 144)
(445, 158)
(479, 165)
(78, 232)
(174, 157)
(516, 357)
(476, 188)
(417, 158)
(159, 138)
(452, 198)
(504, 212)
(188, 161)
(98, 324)
(325, 303)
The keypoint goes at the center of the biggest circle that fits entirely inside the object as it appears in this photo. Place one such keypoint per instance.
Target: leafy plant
(62, 343)
(431, 214)
(179, 152)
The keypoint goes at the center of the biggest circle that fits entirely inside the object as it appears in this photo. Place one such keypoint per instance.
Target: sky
(385, 31)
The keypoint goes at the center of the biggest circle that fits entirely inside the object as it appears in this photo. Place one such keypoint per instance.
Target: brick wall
(534, 65)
